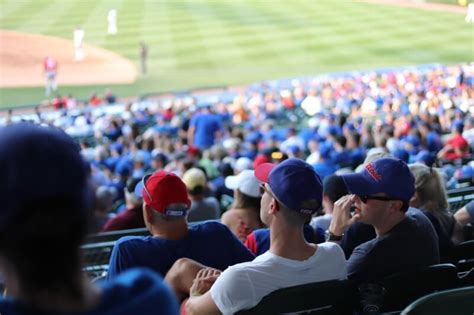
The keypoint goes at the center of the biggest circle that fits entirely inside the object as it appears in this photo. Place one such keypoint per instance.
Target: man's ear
(274, 206)
(396, 205)
(147, 213)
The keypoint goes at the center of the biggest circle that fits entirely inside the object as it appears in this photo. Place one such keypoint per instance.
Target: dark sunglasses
(262, 188)
(365, 198)
(144, 180)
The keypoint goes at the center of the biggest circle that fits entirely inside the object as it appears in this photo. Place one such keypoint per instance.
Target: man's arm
(203, 304)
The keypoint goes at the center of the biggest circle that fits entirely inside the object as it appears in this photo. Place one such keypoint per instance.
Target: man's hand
(204, 280)
(341, 215)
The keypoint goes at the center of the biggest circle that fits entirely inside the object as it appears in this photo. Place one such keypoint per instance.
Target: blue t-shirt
(137, 291)
(210, 243)
(411, 244)
(205, 126)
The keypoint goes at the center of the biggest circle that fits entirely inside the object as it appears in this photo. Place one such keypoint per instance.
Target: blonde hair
(430, 190)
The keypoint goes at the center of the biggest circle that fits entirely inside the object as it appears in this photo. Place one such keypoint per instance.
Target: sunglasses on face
(365, 198)
(144, 180)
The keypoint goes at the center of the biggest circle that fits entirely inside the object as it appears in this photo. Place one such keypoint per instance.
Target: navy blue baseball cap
(38, 164)
(385, 175)
(294, 183)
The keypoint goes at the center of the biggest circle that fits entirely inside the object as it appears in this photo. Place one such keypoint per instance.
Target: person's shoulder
(150, 294)
(131, 240)
(420, 217)
(208, 227)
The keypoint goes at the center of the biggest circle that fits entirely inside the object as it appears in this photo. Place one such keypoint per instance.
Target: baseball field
(208, 43)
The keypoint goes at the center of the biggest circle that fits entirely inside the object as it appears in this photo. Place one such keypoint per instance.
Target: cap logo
(373, 173)
(175, 213)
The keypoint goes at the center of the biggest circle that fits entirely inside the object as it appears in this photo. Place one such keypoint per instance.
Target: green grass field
(201, 43)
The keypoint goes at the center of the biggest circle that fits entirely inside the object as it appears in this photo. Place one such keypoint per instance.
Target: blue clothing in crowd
(137, 291)
(205, 127)
(210, 243)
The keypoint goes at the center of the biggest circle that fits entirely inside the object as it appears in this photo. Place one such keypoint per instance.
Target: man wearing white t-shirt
(291, 193)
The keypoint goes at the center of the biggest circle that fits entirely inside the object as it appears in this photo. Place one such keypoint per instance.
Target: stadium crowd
(332, 177)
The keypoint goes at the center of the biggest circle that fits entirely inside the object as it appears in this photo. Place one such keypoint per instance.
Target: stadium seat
(453, 302)
(466, 279)
(405, 287)
(328, 297)
(463, 256)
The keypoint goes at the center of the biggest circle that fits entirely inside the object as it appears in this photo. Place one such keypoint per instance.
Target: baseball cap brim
(263, 171)
(358, 184)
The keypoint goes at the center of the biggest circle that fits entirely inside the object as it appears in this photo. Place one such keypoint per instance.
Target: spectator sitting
(46, 200)
(465, 215)
(202, 208)
(165, 207)
(333, 189)
(381, 195)
(456, 147)
(430, 197)
(204, 128)
(110, 97)
(292, 193)
(244, 214)
(104, 197)
(325, 166)
(132, 216)
(95, 100)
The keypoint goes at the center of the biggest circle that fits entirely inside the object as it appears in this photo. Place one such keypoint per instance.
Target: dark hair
(246, 201)
(334, 187)
(42, 242)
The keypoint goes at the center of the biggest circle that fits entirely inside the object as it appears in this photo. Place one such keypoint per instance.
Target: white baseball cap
(246, 182)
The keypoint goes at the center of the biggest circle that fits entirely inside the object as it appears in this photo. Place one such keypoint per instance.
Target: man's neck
(170, 230)
(388, 225)
(288, 242)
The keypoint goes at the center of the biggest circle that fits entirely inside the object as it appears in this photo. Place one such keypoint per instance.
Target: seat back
(328, 297)
(453, 302)
(405, 287)
(463, 255)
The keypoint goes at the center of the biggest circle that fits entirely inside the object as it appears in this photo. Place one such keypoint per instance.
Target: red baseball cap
(162, 189)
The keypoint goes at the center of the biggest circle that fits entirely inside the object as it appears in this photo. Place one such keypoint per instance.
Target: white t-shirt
(242, 286)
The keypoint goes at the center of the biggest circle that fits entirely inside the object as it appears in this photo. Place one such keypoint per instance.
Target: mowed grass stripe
(72, 18)
(10, 8)
(56, 11)
(155, 31)
(217, 40)
(22, 14)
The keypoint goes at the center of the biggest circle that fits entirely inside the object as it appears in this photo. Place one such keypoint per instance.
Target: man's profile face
(372, 211)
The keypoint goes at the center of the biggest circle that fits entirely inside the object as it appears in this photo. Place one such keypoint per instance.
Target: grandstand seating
(405, 287)
(463, 256)
(328, 297)
(96, 258)
(457, 198)
(453, 302)
(115, 235)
